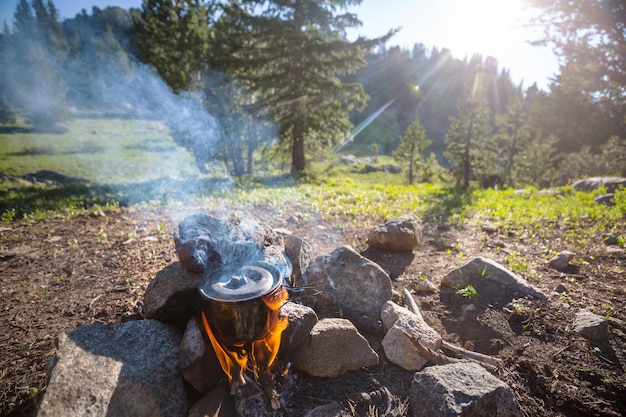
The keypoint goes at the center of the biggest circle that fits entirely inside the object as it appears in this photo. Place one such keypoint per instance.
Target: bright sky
(489, 27)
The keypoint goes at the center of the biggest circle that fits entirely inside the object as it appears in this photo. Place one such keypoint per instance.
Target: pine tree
(174, 37)
(467, 142)
(297, 55)
(512, 133)
(536, 162)
(412, 144)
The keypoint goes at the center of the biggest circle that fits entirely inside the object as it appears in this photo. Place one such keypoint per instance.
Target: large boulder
(125, 370)
(461, 390)
(345, 280)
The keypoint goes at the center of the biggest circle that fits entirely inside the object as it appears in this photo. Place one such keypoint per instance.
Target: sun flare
(488, 27)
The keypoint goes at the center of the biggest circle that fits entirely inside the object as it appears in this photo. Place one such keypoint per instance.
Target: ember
(241, 317)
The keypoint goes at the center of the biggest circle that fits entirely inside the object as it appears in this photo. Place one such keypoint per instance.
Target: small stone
(614, 250)
(591, 326)
(399, 235)
(609, 239)
(561, 261)
(561, 289)
(425, 286)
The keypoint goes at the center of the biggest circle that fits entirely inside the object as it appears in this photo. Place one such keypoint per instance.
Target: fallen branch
(424, 351)
(445, 345)
(411, 302)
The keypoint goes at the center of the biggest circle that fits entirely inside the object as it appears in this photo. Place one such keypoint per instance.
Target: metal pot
(235, 302)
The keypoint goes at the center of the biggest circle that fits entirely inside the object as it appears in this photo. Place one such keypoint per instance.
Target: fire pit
(240, 312)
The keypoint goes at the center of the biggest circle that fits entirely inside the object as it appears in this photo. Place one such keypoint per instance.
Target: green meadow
(130, 162)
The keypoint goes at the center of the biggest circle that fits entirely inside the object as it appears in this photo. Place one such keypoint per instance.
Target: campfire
(241, 294)
(240, 315)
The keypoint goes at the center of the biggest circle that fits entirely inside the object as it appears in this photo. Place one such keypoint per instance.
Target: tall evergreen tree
(467, 138)
(173, 35)
(535, 163)
(412, 144)
(512, 133)
(588, 104)
(299, 52)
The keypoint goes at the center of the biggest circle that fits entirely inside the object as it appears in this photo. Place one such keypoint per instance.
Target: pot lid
(240, 283)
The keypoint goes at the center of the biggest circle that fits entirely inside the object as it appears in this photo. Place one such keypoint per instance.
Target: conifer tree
(535, 164)
(467, 140)
(412, 144)
(298, 53)
(173, 36)
(513, 132)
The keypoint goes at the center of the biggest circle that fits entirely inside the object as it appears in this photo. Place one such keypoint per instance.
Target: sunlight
(488, 27)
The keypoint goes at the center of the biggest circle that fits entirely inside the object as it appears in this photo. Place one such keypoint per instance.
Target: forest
(282, 82)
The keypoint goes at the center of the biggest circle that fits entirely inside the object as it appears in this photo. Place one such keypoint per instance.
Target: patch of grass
(111, 151)
(469, 292)
(517, 263)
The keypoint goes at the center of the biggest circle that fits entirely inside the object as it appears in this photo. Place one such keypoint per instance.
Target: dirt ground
(60, 273)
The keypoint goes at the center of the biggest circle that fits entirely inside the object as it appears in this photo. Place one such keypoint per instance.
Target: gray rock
(299, 252)
(609, 239)
(397, 344)
(345, 280)
(216, 403)
(197, 361)
(614, 250)
(399, 235)
(561, 289)
(461, 389)
(301, 320)
(425, 286)
(591, 326)
(171, 295)
(348, 159)
(335, 347)
(605, 199)
(204, 242)
(590, 184)
(561, 261)
(480, 271)
(117, 370)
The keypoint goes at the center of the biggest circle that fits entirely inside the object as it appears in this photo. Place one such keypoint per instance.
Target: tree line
(286, 70)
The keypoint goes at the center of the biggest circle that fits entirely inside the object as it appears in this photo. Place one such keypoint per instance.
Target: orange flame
(263, 351)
